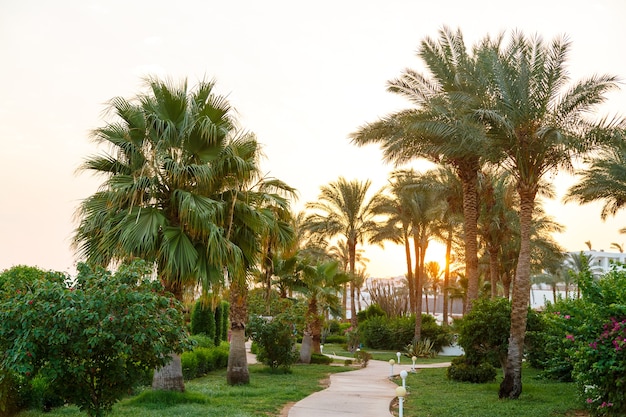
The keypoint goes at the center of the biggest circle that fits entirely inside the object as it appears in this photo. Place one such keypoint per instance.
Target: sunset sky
(302, 75)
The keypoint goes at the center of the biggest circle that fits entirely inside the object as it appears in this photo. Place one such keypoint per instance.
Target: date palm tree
(320, 285)
(603, 180)
(344, 210)
(537, 126)
(442, 127)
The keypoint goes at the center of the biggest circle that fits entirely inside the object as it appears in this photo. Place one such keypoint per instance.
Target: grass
(266, 395)
(383, 355)
(431, 394)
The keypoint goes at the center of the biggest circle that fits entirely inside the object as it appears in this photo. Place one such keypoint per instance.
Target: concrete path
(366, 392)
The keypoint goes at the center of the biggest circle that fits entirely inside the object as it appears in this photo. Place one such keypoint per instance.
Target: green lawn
(383, 355)
(211, 396)
(431, 394)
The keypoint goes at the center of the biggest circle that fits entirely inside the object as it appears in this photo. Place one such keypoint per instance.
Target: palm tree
(342, 210)
(340, 252)
(156, 201)
(442, 129)
(535, 127)
(604, 180)
(434, 273)
(320, 285)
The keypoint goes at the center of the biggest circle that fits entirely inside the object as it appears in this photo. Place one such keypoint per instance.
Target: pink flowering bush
(600, 370)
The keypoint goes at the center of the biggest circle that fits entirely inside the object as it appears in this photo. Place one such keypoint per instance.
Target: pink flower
(589, 400)
(570, 337)
(567, 316)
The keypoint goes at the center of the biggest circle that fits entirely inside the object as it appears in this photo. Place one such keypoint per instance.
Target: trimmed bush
(336, 338)
(190, 362)
(321, 359)
(200, 361)
(203, 320)
(224, 321)
(462, 371)
(276, 340)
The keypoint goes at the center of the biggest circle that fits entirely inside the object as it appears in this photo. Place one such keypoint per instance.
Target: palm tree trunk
(237, 371)
(409, 270)
(352, 253)
(511, 386)
(446, 279)
(469, 180)
(419, 271)
(170, 377)
(494, 272)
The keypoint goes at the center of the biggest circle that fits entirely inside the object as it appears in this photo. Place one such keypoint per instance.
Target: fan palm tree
(156, 201)
(537, 127)
(442, 128)
(343, 210)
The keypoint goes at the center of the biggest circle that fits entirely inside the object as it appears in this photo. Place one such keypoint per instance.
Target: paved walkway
(364, 392)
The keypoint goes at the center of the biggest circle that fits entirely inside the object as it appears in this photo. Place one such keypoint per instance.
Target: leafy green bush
(362, 357)
(462, 371)
(200, 361)
(189, 361)
(396, 333)
(276, 340)
(202, 340)
(373, 310)
(106, 331)
(321, 359)
(203, 319)
(336, 338)
(10, 401)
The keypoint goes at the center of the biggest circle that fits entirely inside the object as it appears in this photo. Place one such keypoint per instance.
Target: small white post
(391, 362)
(398, 354)
(414, 358)
(401, 392)
(322, 349)
(403, 375)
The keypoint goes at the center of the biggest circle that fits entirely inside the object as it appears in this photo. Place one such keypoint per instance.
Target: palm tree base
(169, 377)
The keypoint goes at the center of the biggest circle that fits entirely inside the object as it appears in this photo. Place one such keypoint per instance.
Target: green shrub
(202, 340)
(321, 359)
(10, 400)
(190, 362)
(362, 357)
(41, 395)
(203, 319)
(423, 348)
(219, 313)
(336, 338)
(462, 371)
(276, 340)
(225, 307)
(396, 333)
(373, 310)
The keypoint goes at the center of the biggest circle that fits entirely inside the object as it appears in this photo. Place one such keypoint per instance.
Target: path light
(403, 375)
(400, 392)
(398, 355)
(414, 358)
(391, 362)
(322, 349)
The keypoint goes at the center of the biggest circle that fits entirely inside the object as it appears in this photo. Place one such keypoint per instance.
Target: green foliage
(423, 348)
(484, 331)
(321, 359)
(374, 310)
(362, 357)
(203, 320)
(396, 333)
(219, 331)
(336, 338)
(225, 306)
(10, 400)
(464, 371)
(202, 340)
(276, 340)
(95, 339)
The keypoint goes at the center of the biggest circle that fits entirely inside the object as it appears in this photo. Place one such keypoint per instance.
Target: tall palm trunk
(494, 270)
(469, 180)
(409, 270)
(237, 371)
(446, 279)
(170, 376)
(352, 252)
(511, 386)
(419, 273)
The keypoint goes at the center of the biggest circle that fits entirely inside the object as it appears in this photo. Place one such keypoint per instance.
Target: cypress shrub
(225, 311)
(218, 323)
(202, 320)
